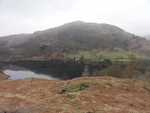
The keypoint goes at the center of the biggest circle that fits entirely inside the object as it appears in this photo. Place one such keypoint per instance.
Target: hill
(72, 40)
(103, 95)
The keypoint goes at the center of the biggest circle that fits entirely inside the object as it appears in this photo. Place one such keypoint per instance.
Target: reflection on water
(52, 69)
(27, 74)
(55, 70)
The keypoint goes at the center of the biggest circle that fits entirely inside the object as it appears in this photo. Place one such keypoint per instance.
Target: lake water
(43, 69)
(27, 74)
(53, 70)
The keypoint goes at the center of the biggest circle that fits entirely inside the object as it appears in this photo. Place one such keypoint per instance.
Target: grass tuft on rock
(75, 88)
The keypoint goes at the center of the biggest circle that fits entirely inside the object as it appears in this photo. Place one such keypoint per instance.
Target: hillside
(103, 95)
(3, 76)
(72, 39)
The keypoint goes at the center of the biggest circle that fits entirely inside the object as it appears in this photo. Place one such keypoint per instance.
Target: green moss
(71, 97)
(81, 98)
(120, 81)
(79, 87)
(96, 83)
(1, 80)
(93, 101)
(106, 83)
(124, 86)
(68, 82)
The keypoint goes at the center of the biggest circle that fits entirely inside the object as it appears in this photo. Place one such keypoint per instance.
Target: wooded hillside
(70, 39)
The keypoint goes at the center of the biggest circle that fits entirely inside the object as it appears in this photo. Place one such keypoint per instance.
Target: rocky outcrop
(79, 87)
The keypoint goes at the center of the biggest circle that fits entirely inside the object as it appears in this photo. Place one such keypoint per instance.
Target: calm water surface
(27, 74)
(43, 69)
(53, 70)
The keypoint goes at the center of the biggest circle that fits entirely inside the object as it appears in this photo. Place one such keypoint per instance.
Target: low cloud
(22, 16)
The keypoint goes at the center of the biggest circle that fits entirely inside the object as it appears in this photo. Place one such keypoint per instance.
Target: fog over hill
(70, 38)
(147, 36)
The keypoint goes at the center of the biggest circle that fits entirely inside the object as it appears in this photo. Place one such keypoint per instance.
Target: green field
(118, 55)
(115, 55)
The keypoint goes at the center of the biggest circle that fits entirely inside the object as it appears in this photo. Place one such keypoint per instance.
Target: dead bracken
(86, 94)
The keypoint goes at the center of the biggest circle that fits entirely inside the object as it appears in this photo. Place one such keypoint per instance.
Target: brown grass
(3, 76)
(35, 95)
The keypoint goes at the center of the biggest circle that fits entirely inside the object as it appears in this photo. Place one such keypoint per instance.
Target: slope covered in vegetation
(103, 95)
(72, 39)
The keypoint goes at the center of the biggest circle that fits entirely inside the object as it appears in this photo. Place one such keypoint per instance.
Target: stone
(79, 87)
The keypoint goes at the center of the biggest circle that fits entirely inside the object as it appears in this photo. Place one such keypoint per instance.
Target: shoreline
(3, 76)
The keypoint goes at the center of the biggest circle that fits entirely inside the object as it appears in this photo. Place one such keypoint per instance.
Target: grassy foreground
(104, 95)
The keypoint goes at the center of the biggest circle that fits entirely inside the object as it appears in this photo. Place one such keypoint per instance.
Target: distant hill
(70, 40)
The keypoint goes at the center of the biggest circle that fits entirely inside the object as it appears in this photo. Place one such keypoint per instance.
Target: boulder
(79, 87)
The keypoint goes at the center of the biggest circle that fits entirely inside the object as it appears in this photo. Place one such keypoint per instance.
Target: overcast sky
(28, 16)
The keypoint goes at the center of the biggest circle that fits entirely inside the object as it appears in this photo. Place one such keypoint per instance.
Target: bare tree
(86, 72)
(133, 68)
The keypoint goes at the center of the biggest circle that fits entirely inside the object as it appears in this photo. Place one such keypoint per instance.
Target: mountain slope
(104, 95)
(71, 38)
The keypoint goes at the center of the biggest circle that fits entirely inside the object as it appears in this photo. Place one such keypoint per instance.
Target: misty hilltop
(147, 36)
(71, 40)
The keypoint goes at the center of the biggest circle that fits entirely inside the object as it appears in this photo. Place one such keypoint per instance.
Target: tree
(106, 63)
(146, 77)
(103, 72)
(132, 70)
(86, 72)
(129, 73)
(101, 57)
(64, 76)
(82, 57)
(95, 73)
(43, 47)
(114, 71)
